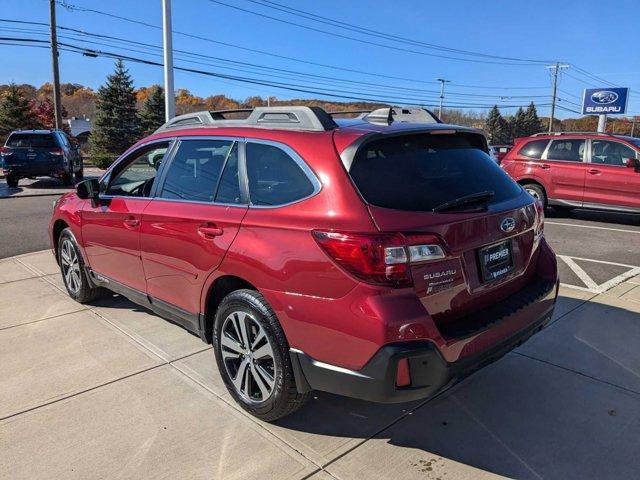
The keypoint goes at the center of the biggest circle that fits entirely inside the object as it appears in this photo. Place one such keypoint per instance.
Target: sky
(397, 58)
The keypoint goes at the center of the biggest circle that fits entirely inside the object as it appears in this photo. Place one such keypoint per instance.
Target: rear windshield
(33, 140)
(421, 172)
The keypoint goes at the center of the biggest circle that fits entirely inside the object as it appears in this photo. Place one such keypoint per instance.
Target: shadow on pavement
(522, 417)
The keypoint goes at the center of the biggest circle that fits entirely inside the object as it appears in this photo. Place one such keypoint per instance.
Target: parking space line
(546, 222)
(591, 285)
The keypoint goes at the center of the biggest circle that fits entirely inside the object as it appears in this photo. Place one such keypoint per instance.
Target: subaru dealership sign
(604, 101)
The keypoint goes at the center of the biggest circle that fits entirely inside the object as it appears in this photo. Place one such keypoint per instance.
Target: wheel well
(58, 227)
(222, 287)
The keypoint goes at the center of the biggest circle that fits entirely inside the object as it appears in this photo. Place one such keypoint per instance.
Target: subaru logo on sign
(605, 101)
(604, 97)
(507, 224)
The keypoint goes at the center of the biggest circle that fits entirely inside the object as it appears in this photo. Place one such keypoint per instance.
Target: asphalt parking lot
(113, 391)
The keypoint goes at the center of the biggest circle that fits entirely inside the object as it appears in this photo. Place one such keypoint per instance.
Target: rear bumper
(51, 170)
(429, 371)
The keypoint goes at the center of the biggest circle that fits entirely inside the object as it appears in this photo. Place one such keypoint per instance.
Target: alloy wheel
(248, 357)
(70, 266)
(533, 193)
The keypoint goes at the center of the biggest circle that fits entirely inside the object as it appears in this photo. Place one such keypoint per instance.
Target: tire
(80, 173)
(67, 178)
(537, 192)
(12, 180)
(74, 273)
(278, 395)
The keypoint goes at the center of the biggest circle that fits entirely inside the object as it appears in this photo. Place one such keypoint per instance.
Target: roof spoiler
(388, 115)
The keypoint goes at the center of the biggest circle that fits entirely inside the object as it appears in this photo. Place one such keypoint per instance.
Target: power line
(368, 42)
(376, 33)
(291, 87)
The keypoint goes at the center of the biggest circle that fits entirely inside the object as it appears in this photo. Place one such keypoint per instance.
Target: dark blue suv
(33, 153)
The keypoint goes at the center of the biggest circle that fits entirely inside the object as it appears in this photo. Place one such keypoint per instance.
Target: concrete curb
(31, 195)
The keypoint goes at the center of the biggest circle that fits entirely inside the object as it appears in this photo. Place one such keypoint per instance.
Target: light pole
(442, 82)
(169, 98)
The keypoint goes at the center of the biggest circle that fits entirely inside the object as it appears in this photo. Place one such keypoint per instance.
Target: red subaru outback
(383, 257)
(583, 170)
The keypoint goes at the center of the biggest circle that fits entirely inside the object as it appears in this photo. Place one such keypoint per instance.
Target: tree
(532, 123)
(517, 124)
(45, 115)
(116, 125)
(15, 111)
(497, 127)
(152, 111)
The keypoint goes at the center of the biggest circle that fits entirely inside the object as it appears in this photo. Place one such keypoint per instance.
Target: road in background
(23, 224)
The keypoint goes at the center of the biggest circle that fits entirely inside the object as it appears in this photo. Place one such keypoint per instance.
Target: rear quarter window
(533, 149)
(421, 172)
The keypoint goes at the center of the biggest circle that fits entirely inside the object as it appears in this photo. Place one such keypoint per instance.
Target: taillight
(381, 258)
(403, 374)
(56, 151)
(539, 224)
(5, 151)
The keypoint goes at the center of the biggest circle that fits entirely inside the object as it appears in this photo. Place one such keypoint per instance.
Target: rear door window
(32, 140)
(566, 150)
(605, 152)
(533, 149)
(421, 172)
(275, 178)
(195, 170)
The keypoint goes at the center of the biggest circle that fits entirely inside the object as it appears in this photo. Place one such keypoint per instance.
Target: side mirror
(89, 189)
(632, 163)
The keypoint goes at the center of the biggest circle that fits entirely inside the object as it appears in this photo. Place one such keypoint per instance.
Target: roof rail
(572, 133)
(281, 117)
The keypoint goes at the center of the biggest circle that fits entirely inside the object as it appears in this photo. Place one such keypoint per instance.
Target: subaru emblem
(604, 97)
(507, 224)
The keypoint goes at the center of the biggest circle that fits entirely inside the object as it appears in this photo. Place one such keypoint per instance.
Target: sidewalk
(112, 391)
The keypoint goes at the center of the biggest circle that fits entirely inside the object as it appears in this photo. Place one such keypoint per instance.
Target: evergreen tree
(152, 111)
(518, 124)
(116, 125)
(497, 127)
(15, 111)
(532, 122)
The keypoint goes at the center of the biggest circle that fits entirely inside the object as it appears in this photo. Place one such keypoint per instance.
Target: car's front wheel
(74, 273)
(253, 356)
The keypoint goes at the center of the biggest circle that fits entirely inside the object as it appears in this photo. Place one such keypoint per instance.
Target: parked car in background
(382, 258)
(578, 170)
(35, 153)
(499, 151)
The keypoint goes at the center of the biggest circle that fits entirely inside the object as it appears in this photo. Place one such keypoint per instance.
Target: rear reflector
(403, 376)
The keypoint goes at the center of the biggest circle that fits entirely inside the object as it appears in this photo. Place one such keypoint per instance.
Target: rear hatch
(443, 189)
(31, 152)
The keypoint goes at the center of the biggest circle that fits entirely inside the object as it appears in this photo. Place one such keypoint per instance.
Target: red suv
(382, 257)
(587, 170)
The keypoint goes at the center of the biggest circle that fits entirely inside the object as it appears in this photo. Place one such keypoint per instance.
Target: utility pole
(57, 107)
(556, 68)
(633, 125)
(442, 82)
(169, 95)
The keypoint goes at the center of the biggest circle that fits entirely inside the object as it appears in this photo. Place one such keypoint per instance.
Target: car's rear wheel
(12, 180)
(253, 356)
(80, 173)
(537, 192)
(74, 273)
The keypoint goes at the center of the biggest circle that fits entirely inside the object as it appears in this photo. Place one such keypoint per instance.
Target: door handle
(209, 231)
(131, 222)
(544, 166)
(593, 171)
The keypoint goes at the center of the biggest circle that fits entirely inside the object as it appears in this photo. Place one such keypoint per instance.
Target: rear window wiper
(480, 197)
